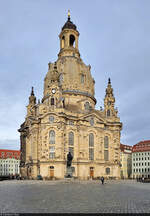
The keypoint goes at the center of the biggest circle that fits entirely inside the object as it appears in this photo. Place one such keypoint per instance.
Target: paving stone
(74, 196)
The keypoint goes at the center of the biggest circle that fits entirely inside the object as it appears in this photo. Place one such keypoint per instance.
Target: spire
(109, 89)
(68, 15)
(32, 98)
(32, 91)
(109, 101)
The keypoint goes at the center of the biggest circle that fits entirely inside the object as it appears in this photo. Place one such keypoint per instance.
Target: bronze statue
(69, 159)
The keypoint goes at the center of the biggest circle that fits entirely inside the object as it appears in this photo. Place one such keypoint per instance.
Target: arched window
(52, 152)
(72, 40)
(106, 142)
(106, 146)
(106, 155)
(71, 143)
(52, 137)
(71, 138)
(108, 113)
(63, 42)
(52, 101)
(91, 146)
(91, 140)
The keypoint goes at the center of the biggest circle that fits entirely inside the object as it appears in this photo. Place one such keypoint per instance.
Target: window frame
(52, 137)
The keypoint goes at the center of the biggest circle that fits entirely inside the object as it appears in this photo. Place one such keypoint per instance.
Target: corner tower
(32, 103)
(109, 101)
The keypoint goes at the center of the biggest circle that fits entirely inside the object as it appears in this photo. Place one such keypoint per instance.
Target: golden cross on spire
(68, 14)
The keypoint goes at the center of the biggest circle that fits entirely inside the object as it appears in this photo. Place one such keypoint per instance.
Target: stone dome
(69, 25)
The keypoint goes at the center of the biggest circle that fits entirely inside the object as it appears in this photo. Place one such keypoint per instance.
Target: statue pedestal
(69, 172)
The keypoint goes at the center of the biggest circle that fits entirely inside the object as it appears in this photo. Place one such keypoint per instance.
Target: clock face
(53, 91)
(109, 103)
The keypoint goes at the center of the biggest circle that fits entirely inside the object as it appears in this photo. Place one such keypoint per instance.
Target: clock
(53, 91)
(109, 102)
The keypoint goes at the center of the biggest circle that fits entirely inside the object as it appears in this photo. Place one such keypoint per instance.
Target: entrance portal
(91, 172)
(51, 171)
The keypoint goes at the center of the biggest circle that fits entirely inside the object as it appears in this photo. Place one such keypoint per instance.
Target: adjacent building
(66, 120)
(9, 162)
(126, 161)
(141, 159)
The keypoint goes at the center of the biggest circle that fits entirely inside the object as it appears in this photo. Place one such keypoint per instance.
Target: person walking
(102, 180)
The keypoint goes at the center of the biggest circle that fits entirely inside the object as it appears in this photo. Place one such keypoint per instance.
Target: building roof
(142, 146)
(6, 153)
(69, 25)
(126, 148)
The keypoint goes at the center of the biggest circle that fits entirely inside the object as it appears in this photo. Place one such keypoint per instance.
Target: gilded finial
(68, 14)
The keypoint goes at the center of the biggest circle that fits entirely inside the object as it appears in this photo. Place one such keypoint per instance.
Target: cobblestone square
(73, 196)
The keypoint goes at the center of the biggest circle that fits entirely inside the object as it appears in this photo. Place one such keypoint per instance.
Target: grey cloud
(12, 144)
(114, 40)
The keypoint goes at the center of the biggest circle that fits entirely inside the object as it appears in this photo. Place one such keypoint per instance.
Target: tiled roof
(142, 146)
(125, 148)
(5, 153)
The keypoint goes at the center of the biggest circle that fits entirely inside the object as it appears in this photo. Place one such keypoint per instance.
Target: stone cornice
(78, 92)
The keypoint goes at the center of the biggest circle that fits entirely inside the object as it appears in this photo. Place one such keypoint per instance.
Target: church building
(65, 120)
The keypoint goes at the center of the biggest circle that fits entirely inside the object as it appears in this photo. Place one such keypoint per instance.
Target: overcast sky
(114, 40)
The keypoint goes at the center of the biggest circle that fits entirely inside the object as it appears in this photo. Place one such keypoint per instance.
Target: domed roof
(69, 24)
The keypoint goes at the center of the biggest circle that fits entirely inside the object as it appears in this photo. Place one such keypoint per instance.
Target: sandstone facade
(66, 121)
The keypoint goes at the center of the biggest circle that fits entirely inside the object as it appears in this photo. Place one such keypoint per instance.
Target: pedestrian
(102, 180)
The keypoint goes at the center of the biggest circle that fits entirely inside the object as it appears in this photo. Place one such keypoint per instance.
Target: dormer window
(87, 105)
(91, 121)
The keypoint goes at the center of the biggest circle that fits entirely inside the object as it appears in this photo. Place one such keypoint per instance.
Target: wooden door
(91, 172)
(51, 173)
